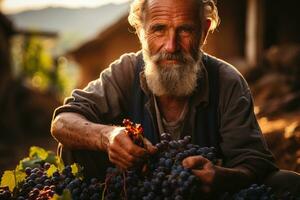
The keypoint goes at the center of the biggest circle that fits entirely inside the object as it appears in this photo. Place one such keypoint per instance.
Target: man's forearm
(231, 179)
(76, 132)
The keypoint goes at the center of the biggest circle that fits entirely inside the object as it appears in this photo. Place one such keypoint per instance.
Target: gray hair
(137, 9)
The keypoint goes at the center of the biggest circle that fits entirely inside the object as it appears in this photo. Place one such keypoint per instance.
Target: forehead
(172, 9)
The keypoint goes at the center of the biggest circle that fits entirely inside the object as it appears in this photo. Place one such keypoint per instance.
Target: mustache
(179, 56)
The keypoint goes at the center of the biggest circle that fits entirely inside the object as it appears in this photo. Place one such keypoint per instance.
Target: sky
(13, 6)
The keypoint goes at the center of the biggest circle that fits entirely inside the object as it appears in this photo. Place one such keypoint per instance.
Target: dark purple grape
(5, 194)
(47, 166)
(178, 197)
(56, 174)
(28, 171)
(187, 139)
(76, 192)
(95, 197)
(34, 170)
(165, 136)
(94, 181)
(33, 176)
(39, 186)
(39, 173)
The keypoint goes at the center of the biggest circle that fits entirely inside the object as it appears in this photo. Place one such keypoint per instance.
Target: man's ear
(138, 32)
(141, 34)
(207, 24)
(206, 28)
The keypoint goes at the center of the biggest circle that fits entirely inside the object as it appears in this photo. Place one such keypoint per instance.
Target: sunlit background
(50, 47)
(13, 6)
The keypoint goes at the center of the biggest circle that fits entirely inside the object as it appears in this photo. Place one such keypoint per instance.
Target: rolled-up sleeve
(105, 99)
(242, 141)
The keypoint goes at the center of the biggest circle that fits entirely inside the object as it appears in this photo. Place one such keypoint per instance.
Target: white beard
(172, 80)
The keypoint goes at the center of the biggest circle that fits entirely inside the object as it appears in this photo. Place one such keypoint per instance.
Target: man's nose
(171, 42)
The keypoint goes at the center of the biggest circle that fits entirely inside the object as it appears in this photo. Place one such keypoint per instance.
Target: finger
(117, 162)
(134, 150)
(200, 174)
(127, 161)
(193, 162)
(126, 143)
(119, 153)
(150, 148)
(122, 160)
(118, 159)
(205, 176)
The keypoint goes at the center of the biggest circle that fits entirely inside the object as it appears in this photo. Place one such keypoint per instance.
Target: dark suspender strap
(139, 113)
(138, 96)
(207, 126)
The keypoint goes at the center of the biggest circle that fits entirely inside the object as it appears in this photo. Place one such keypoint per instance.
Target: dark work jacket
(121, 92)
(205, 130)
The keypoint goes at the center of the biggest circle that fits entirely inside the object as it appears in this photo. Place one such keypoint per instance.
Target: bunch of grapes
(163, 176)
(158, 177)
(39, 186)
(5, 194)
(255, 192)
(259, 192)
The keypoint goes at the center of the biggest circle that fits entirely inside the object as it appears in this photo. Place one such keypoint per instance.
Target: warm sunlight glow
(13, 6)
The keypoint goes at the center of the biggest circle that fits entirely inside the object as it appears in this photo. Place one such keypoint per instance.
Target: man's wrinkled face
(172, 27)
(170, 39)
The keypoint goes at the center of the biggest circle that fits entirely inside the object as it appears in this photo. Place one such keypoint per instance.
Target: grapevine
(135, 132)
(164, 178)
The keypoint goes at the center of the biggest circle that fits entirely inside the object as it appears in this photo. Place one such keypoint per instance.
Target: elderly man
(170, 86)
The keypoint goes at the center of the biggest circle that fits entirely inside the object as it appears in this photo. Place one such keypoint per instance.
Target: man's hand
(215, 178)
(122, 151)
(76, 132)
(204, 169)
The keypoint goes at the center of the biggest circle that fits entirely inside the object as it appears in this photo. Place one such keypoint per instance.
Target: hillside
(73, 25)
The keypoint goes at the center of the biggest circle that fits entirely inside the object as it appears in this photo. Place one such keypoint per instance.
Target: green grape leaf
(59, 163)
(20, 176)
(38, 152)
(19, 167)
(51, 158)
(30, 162)
(12, 179)
(8, 179)
(75, 169)
(66, 195)
(51, 170)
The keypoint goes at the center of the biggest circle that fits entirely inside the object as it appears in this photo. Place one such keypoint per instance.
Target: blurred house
(6, 32)
(24, 111)
(96, 54)
(247, 29)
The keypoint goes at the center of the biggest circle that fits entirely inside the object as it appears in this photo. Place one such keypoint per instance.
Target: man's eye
(185, 31)
(158, 29)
